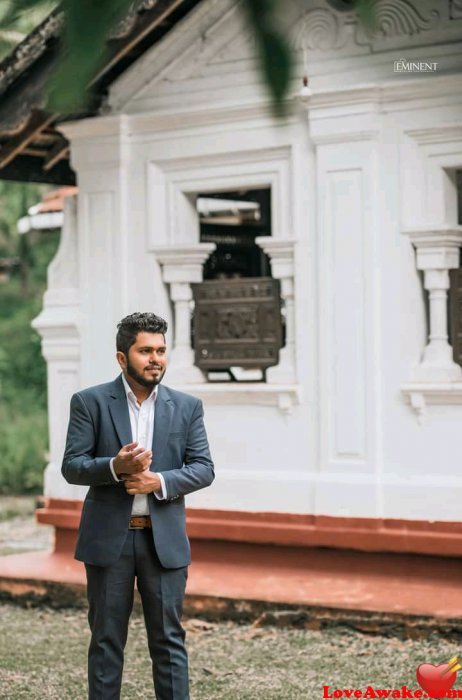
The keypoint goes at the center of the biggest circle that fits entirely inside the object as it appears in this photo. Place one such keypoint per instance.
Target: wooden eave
(31, 146)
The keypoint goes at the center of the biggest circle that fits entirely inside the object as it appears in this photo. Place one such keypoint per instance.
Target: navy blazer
(99, 425)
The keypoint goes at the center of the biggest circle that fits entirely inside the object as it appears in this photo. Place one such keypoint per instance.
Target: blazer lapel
(118, 408)
(164, 408)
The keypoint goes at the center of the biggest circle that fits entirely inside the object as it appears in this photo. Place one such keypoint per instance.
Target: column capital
(436, 248)
(183, 263)
(281, 252)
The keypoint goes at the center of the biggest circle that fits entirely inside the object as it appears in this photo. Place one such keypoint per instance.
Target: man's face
(147, 359)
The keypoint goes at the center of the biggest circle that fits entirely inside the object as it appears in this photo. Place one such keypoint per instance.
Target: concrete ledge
(242, 579)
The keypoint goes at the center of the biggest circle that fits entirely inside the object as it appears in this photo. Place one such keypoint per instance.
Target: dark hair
(139, 322)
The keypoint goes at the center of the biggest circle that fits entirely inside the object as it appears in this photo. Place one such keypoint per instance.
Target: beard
(141, 379)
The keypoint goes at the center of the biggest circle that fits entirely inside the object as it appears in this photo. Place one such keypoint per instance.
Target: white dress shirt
(142, 425)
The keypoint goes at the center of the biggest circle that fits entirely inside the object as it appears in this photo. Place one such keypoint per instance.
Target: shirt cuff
(161, 496)
(111, 467)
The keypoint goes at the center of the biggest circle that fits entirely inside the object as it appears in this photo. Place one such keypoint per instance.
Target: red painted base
(312, 578)
(286, 529)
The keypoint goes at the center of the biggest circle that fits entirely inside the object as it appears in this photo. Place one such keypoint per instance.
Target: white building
(353, 439)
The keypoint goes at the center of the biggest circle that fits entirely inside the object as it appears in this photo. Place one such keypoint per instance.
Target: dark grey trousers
(110, 596)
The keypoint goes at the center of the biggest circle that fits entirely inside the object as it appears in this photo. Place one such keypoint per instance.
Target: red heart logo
(435, 680)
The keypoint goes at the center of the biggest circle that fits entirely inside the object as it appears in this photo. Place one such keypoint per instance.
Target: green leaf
(86, 29)
(274, 51)
(24, 15)
(367, 15)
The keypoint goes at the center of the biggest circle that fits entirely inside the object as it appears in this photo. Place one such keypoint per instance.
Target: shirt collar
(131, 396)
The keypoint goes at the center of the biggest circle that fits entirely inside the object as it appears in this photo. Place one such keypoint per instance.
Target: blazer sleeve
(197, 471)
(80, 466)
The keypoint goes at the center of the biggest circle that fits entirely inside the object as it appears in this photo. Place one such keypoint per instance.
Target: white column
(438, 251)
(281, 254)
(59, 326)
(182, 267)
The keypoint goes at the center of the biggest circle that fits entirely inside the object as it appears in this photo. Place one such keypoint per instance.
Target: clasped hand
(132, 466)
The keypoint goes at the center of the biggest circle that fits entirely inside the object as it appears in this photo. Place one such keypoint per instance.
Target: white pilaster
(182, 267)
(59, 326)
(281, 254)
(437, 252)
(100, 154)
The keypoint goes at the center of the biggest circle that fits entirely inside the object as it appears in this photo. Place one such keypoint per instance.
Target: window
(237, 324)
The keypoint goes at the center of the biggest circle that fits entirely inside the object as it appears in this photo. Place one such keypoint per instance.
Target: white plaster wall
(348, 174)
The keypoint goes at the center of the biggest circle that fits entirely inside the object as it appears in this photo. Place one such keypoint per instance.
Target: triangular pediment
(208, 45)
(210, 57)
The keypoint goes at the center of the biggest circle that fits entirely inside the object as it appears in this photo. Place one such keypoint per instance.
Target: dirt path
(19, 531)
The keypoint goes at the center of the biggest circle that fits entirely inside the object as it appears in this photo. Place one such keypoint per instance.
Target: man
(140, 447)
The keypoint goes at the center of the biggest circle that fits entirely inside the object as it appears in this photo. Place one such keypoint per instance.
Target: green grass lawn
(43, 656)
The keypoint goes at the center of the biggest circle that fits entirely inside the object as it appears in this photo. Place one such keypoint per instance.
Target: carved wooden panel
(455, 314)
(237, 322)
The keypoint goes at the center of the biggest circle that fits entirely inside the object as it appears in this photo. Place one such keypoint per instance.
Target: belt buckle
(141, 518)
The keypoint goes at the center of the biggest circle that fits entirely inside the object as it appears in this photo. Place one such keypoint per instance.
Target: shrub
(23, 437)
(23, 411)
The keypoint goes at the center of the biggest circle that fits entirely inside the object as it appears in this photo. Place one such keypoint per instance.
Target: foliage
(88, 24)
(23, 437)
(23, 414)
(15, 200)
(274, 53)
(18, 21)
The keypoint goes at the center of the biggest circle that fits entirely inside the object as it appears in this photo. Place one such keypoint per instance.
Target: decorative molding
(183, 263)
(436, 249)
(283, 396)
(455, 9)
(344, 137)
(325, 30)
(420, 395)
(388, 92)
(341, 99)
(194, 117)
(194, 164)
(353, 114)
(396, 18)
(441, 133)
(319, 29)
(100, 126)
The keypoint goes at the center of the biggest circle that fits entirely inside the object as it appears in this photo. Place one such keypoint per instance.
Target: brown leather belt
(138, 522)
